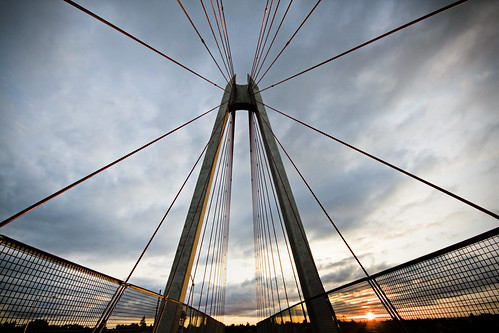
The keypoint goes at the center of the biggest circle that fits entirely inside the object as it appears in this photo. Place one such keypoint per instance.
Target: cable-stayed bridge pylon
(245, 97)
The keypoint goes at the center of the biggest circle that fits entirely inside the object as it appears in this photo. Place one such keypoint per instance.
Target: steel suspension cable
(216, 301)
(407, 173)
(215, 231)
(284, 235)
(190, 295)
(259, 36)
(262, 279)
(52, 196)
(175, 268)
(227, 201)
(214, 197)
(190, 301)
(224, 235)
(215, 38)
(205, 225)
(385, 301)
(289, 41)
(273, 40)
(273, 235)
(266, 33)
(202, 41)
(422, 18)
(121, 289)
(267, 291)
(259, 298)
(226, 32)
(271, 238)
(287, 197)
(139, 41)
(276, 204)
(268, 245)
(198, 256)
(222, 39)
(268, 255)
(217, 258)
(205, 185)
(266, 179)
(221, 227)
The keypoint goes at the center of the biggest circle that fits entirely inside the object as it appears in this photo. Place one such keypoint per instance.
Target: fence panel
(40, 292)
(455, 289)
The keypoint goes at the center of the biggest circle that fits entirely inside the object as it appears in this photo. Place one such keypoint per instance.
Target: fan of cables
(273, 260)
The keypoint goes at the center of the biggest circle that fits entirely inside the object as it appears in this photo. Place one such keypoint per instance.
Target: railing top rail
(67, 263)
(456, 246)
(466, 242)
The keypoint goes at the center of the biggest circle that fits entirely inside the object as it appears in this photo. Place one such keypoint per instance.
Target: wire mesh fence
(455, 289)
(40, 292)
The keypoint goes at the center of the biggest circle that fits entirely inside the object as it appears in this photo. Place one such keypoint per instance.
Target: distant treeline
(40, 325)
(482, 323)
(240, 328)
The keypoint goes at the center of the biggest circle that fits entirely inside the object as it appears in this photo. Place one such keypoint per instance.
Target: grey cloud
(76, 95)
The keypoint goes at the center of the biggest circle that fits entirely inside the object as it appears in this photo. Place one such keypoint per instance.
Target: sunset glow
(370, 316)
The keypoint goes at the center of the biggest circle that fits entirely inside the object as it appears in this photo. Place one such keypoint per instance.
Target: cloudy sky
(76, 95)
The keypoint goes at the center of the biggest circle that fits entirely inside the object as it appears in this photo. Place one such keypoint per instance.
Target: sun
(370, 316)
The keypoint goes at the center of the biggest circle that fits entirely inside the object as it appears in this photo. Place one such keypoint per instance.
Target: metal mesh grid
(38, 287)
(44, 293)
(298, 314)
(35, 285)
(193, 320)
(355, 301)
(136, 306)
(459, 283)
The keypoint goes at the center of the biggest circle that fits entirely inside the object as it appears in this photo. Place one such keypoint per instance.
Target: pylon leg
(178, 281)
(319, 308)
(320, 312)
